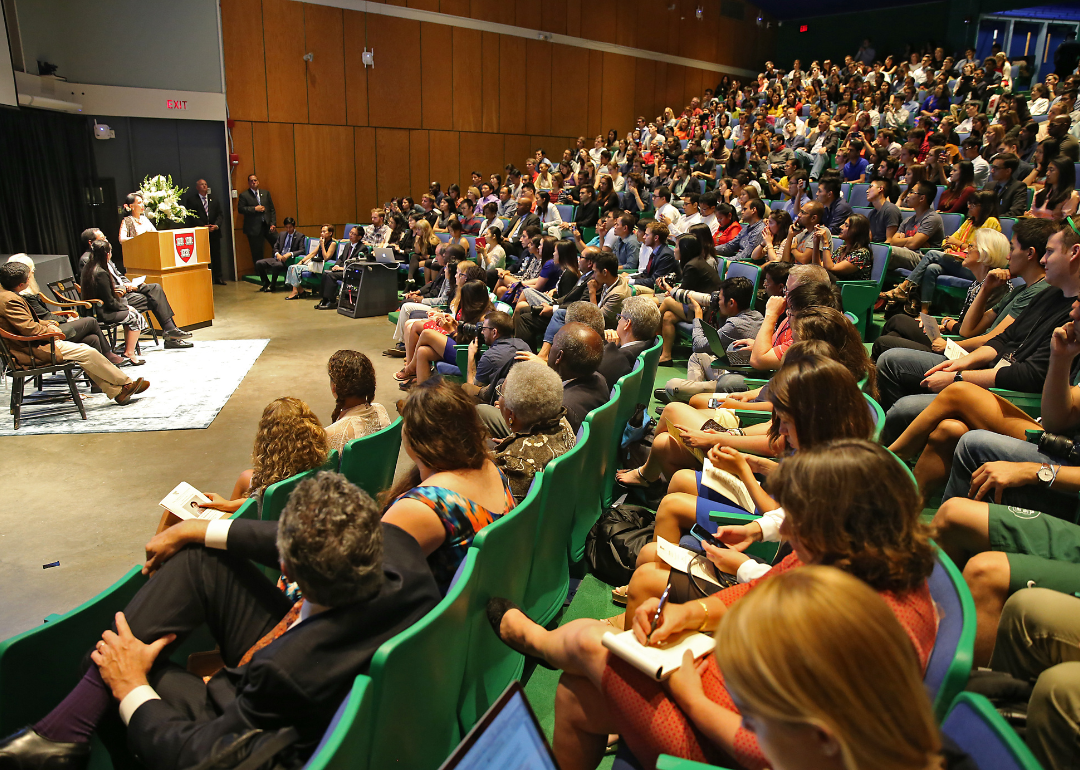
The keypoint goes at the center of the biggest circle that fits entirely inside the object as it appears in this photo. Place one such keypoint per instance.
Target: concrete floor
(91, 501)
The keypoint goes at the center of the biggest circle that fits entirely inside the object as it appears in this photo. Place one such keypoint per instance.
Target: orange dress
(651, 724)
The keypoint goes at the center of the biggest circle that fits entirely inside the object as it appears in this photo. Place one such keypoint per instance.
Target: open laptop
(384, 255)
(507, 736)
(734, 357)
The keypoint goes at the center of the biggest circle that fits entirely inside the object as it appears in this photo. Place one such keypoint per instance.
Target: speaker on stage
(367, 289)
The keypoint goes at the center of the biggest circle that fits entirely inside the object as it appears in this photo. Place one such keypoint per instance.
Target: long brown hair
(851, 505)
(353, 376)
(290, 440)
(832, 326)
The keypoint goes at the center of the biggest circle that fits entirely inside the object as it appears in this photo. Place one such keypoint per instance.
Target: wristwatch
(959, 377)
(1046, 474)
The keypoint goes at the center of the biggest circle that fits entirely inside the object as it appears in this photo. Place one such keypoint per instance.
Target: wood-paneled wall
(331, 139)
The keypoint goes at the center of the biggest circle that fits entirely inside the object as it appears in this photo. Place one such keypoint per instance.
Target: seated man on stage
(16, 317)
(286, 664)
(148, 296)
(353, 251)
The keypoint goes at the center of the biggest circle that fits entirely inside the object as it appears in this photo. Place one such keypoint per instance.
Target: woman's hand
(684, 685)
(218, 503)
(775, 308)
(731, 460)
(939, 345)
(165, 544)
(823, 234)
(739, 536)
(696, 439)
(674, 619)
(725, 559)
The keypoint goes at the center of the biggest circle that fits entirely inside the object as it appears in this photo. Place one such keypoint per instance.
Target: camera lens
(1055, 445)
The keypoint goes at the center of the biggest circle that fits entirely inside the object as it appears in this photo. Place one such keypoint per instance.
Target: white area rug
(187, 389)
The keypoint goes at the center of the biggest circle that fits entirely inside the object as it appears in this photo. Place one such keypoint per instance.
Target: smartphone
(703, 535)
(715, 403)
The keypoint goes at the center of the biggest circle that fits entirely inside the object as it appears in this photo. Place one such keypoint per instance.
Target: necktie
(206, 206)
(290, 617)
(648, 265)
(258, 198)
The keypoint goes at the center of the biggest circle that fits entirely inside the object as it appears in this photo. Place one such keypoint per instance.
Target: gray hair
(331, 542)
(586, 313)
(805, 274)
(644, 317)
(533, 392)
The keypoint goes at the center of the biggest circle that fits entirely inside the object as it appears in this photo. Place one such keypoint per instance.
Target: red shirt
(730, 233)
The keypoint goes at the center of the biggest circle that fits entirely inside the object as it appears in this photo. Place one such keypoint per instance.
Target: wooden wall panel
(596, 18)
(365, 169)
(424, 5)
(596, 92)
(419, 164)
(393, 93)
(553, 16)
(692, 83)
(245, 67)
(392, 161)
(325, 183)
(538, 86)
(455, 7)
(356, 90)
(326, 71)
(480, 152)
(489, 66)
(573, 18)
(645, 90)
(444, 157)
(516, 149)
(526, 13)
(676, 87)
(569, 90)
(437, 43)
(242, 146)
(617, 105)
(467, 95)
(626, 32)
(498, 11)
(275, 159)
(512, 85)
(286, 84)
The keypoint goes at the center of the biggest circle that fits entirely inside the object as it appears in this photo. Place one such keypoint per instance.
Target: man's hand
(260, 208)
(1064, 342)
(610, 335)
(698, 312)
(212, 227)
(123, 660)
(938, 345)
(165, 544)
(996, 278)
(999, 476)
(273, 228)
(775, 308)
(742, 344)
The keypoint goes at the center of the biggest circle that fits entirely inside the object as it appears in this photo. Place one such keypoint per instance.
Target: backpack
(614, 542)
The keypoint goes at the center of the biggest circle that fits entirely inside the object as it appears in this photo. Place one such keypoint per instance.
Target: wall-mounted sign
(176, 104)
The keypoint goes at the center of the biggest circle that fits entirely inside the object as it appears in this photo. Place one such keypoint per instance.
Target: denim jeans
(558, 321)
(901, 258)
(817, 162)
(901, 372)
(983, 446)
(933, 264)
(902, 414)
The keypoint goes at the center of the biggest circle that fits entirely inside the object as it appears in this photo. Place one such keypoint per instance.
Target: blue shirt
(497, 356)
(851, 173)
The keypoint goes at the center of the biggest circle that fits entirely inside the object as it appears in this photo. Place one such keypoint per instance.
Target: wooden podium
(179, 260)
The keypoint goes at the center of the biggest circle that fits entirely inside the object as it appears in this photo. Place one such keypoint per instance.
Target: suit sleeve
(244, 208)
(254, 540)
(1018, 203)
(270, 211)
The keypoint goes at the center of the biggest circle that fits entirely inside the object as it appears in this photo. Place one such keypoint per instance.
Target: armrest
(65, 303)
(1031, 403)
(38, 338)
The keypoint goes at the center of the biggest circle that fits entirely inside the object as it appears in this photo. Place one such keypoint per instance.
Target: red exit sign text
(175, 104)
(803, 28)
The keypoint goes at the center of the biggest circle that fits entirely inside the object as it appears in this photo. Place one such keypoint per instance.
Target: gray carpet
(187, 390)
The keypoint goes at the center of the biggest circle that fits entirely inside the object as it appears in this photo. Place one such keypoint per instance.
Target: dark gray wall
(185, 149)
(137, 43)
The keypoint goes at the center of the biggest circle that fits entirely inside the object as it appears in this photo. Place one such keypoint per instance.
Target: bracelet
(705, 607)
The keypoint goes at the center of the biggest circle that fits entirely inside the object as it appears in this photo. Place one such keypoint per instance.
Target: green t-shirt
(1015, 302)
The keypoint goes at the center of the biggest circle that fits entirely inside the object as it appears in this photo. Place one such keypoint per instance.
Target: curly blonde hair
(290, 440)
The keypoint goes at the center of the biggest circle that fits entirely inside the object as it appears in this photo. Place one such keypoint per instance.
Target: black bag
(614, 542)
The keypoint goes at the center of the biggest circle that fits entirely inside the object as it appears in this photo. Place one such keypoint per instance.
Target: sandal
(619, 595)
(402, 377)
(134, 360)
(669, 362)
(623, 477)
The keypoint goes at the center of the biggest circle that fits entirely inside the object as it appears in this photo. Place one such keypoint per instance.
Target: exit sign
(803, 28)
(175, 104)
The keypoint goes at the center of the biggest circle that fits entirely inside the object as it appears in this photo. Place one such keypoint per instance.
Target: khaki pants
(105, 375)
(1039, 637)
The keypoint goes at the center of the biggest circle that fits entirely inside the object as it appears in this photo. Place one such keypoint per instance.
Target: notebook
(507, 736)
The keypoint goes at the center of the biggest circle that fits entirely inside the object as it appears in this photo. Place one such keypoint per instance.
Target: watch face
(1045, 474)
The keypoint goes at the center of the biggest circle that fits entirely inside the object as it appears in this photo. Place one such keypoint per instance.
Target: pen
(659, 609)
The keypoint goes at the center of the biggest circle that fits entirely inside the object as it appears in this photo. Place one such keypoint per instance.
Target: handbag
(614, 542)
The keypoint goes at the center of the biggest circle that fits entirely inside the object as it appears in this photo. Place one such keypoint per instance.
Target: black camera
(1061, 447)
(466, 333)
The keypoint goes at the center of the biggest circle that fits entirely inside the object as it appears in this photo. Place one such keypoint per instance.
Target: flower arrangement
(162, 199)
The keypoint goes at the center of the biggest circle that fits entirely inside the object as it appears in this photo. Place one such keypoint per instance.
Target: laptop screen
(508, 737)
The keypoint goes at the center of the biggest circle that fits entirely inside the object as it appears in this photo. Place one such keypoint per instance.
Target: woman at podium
(136, 222)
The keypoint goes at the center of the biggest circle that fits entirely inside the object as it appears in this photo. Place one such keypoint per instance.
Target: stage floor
(90, 501)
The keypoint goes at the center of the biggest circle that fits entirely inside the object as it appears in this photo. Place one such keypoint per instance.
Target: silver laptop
(384, 255)
(507, 736)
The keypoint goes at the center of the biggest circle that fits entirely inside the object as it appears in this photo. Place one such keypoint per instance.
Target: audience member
(352, 384)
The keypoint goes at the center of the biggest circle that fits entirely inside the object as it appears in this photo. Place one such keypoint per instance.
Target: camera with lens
(466, 333)
(1061, 447)
(707, 301)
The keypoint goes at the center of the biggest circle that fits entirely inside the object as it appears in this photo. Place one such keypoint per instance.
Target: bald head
(576, 351)
(524, 206)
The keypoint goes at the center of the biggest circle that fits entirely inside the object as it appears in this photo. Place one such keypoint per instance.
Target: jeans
(558, 321)
(982, 446)
(702, 378)
(933, 264)
(902, 414)
(817, 162)
(404, 314)
(901, 372)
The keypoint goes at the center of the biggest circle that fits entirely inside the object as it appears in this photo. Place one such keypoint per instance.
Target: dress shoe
(324, 305)
(129, 390)
(265, 289)
(26, 750)
(220, 282)
(177, 344)
(394, 353)
(661, 395)
(176, 333)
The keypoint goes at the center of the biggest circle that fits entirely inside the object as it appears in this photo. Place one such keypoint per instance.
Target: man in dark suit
(289, 244)
(206, 212)
(636, 330)
(1012, 194)
(286, 665)
(576, 353)
(516, 228)
(661, 259)
(350, 252)
(260, 219)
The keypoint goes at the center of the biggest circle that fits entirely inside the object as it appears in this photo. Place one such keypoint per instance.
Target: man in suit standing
(286, 664)
(260, 219)
(206, 212)
(516, 229)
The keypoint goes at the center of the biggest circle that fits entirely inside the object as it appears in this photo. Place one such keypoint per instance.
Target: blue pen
(659, 609)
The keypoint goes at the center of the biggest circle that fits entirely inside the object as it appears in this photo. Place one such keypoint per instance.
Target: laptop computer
(384, 255)
(733, 357)
(508, 735)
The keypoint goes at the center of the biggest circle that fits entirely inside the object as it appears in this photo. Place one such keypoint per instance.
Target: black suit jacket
(662, 263)
(619, 361)
(199, 218)
(302, 677)
(530, 219)
(582, 395)
(1012, 198)
(296, 247)
(254, 220)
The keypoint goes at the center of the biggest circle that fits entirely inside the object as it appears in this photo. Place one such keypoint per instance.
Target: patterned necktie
(206, 205)
(290, 617)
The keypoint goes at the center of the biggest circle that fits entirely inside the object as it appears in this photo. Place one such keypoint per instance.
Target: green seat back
(598, 463)
(369, 462)
(549, 576)
(277, 494)
(504, 556)
(416, 682)
(879, 416)
(976, 727)
(629, 386)
(347, 742)
(650, 361)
